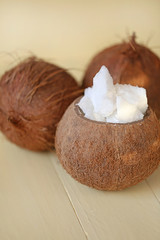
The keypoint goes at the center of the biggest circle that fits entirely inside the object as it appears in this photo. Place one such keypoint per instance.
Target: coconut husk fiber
(33, 98)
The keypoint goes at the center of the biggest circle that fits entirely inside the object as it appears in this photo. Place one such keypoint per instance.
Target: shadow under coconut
(140, 189)
(154, 183)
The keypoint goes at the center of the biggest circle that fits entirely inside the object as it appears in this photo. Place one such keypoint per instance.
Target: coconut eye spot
(119, 103)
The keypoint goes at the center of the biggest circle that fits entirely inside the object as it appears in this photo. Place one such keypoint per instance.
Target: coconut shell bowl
(107, 156)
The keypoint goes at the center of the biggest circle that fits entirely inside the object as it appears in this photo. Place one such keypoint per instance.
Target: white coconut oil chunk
(117, 103)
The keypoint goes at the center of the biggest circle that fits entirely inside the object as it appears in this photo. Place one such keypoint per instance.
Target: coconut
(129, 63)
(107, 156)
(33, 98)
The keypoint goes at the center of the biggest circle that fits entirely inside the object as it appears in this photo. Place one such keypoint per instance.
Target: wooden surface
(39, 200)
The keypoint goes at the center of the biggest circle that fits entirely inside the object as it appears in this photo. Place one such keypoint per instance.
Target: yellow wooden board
(133, 213)
(33, 202)
(38, 199)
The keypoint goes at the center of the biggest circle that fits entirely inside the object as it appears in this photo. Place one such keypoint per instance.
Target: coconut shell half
(107, 156)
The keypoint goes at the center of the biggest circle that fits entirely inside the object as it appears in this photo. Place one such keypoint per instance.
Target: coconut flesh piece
(119, 103)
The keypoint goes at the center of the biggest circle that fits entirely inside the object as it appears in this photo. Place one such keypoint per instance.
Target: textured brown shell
(33, 98)
(129, 63)
(107, 156)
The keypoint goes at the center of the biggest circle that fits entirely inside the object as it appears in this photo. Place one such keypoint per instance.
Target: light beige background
(38, 200)
(70, 32)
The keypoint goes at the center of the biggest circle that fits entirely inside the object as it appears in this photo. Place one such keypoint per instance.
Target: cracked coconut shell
(107, 156)
(129, 63)
(33, 98)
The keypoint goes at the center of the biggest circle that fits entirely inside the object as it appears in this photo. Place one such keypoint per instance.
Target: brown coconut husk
(129, 63)
(107, 156)
(33, 98)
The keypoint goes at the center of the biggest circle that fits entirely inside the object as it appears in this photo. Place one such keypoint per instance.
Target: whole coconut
(107, 156)
(129, 63)
(33, 98)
